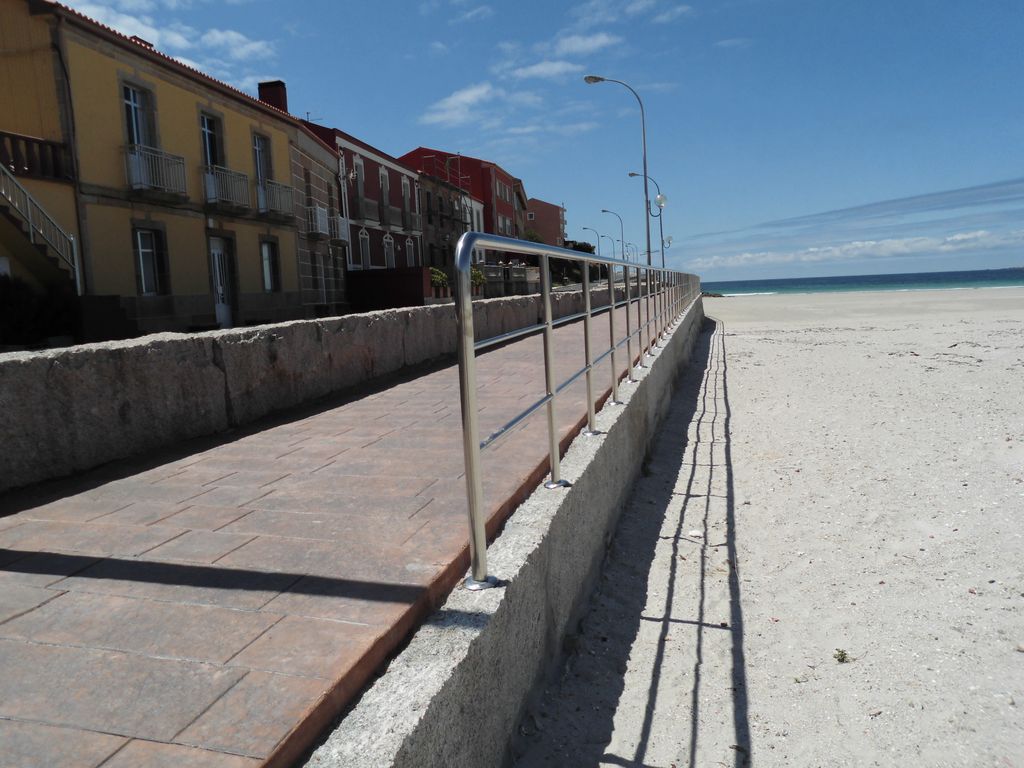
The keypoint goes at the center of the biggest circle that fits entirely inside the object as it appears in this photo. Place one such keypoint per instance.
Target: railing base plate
(475, 586)
(551, 485)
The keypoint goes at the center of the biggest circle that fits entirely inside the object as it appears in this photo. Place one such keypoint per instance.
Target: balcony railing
(317, 221)
(148, 168)
(226, 187)
(29, 156)
(338, 226)
(367, 209)
(410, 220)
(274, 197)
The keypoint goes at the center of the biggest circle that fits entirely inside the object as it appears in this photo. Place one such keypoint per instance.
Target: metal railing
(226, 186)
(317, 220)
(274, 197)
(366, 208)
(662, 295)
(338, 226)
(42, 229)
(410, 220)
(150, 168)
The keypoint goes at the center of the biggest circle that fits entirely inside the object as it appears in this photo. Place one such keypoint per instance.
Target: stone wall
(67, 410)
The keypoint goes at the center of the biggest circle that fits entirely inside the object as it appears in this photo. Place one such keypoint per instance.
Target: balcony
(411, 221)
(149, 170)
(367, 209)
(225, 187)
(274, 198)
(317, 222)
(338, 227)
(391, 215)
(37, 158)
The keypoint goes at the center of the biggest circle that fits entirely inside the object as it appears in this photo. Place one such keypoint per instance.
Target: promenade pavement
(219, 604)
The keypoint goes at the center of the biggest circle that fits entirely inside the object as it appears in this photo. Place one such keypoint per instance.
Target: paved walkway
(218, 606)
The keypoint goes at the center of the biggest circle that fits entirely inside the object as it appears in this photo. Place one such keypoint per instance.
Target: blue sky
(791, 137)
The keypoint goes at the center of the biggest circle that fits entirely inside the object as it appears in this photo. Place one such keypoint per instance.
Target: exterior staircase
(45, 249)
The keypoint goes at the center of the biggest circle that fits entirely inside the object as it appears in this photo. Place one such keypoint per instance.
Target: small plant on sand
(841, 656)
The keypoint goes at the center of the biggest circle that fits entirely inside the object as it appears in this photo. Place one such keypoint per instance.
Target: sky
(791, 138)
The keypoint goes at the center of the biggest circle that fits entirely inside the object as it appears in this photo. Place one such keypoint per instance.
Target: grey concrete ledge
(67, 410)
(454, 695)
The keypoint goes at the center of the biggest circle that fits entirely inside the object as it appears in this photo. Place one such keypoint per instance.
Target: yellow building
(168, 189)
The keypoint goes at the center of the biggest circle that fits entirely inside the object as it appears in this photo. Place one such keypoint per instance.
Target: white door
(221, 282)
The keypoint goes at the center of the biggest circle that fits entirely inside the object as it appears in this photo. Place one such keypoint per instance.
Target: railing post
(611, 333)
(591, 426)
(641, 341)
(629, 330)
(556, 480)
(478, 578)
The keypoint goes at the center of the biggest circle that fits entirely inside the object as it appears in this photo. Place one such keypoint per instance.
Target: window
(406, 193)
(531, 216)
(430, 209)
(209, 130)
(389, 251)
(261, 158)
(410, 253)
(150, 262)
(271, 267)
(364, 248)
(138, 113)
(385, 188)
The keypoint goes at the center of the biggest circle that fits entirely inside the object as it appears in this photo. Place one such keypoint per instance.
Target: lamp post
(612, 241)
(591, 229)
(622, 229)
(659, 202)
(591, 79)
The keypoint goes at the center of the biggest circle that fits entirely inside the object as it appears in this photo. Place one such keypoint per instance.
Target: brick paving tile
(308, 647)
(242, 722)
(34, 745)
(16, 599)
(105, 691)
(152, 754)
(205, 518)
(180, 583)
(328, 526)
(199, 547)
(94, 538)
(220, 607)
(165, 630)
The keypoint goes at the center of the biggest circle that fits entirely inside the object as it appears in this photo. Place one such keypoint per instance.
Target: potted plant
(439, 282)
(477, 279)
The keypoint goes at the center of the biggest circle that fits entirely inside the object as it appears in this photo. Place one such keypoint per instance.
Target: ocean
(917, 281)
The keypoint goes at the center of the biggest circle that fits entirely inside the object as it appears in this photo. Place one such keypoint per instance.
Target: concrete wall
(452, 698)
(66, 410)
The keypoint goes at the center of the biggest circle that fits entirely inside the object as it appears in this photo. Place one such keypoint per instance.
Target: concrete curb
(453, 697)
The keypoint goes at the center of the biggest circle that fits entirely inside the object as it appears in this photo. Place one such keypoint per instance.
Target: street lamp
(591, 79)
(659, 201)
(612, 241)
(590, 229)
(622, 229)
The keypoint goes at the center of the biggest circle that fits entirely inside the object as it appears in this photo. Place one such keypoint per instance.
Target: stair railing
(42, 229)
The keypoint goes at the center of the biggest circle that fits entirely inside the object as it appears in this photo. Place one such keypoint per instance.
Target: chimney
(274, 93)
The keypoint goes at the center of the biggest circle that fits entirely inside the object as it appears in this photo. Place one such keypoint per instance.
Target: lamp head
(605, 210)
(660, 200)
(633, 174)
(591, 79)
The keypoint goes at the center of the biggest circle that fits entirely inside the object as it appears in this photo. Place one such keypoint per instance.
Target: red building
(383, 200)
(503, 206)
(546, 220)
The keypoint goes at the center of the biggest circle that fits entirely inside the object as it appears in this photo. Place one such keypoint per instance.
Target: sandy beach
(824, 564)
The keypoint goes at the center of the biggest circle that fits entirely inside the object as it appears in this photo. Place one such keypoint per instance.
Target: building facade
(487, 182)
(546, 221)
(383, 200)
(186, 200)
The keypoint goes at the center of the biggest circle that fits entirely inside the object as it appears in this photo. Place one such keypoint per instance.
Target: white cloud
(479, 13)
(547, 69)
(235, 45)
(581, 45)
(459, 107)
(672, 14)
(438, 48)
(639, 6)
(734, 42)
(977, 240)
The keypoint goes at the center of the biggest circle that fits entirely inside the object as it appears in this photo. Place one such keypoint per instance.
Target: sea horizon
(1008, 277)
